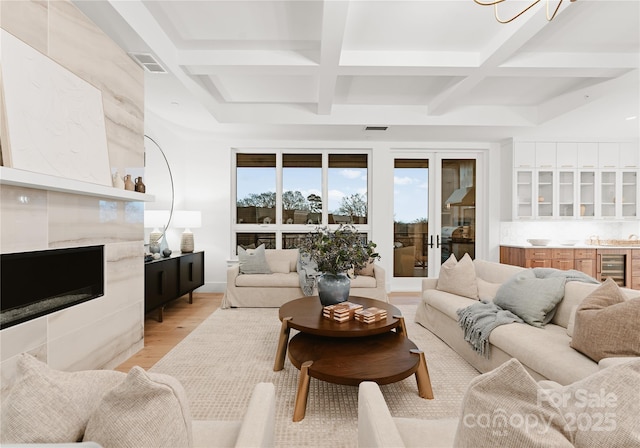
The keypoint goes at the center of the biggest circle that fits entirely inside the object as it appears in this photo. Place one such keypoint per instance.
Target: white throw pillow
(145, 410)
(458, 277)
(48, 405)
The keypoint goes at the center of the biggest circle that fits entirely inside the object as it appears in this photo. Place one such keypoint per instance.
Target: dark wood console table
(167, 279)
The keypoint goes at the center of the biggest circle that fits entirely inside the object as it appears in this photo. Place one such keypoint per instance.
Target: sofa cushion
(486, 290)
(606, 324)
(532, 299)
(447, 303)
(545, 351)
(276, 280)
(363, 281)
(495, 272)
(502, 408)
(367, 269)
(280, 256)
(458, 277)
(48, 405)
(145, 410)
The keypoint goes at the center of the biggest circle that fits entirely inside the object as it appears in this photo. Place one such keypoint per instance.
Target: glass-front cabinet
(607, 194)
(545, 194)
(585, 181)
(630, 194)
(566, 194)
(587, 194)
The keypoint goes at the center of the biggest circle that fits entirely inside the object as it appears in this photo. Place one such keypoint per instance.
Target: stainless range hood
(462, 196)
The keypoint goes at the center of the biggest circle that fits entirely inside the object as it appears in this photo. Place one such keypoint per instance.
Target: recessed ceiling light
(632, 117)
(175, 103)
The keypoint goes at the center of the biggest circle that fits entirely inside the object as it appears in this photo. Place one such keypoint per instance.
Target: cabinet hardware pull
(190, 272)
(430, 242)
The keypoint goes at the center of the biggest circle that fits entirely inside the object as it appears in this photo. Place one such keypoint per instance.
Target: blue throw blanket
(479, 320)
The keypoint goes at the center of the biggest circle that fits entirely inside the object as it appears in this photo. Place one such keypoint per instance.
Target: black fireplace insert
(37, 283)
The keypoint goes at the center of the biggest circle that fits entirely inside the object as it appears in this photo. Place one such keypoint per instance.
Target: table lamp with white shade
(187, 220)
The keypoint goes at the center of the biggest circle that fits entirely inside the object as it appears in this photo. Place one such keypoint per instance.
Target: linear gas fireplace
(41, 282)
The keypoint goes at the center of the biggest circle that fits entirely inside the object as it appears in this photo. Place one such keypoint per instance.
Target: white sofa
(545, 352)
(283, 284)
(105, 408)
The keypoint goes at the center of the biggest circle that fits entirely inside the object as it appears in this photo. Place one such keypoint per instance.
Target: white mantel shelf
(28, 179)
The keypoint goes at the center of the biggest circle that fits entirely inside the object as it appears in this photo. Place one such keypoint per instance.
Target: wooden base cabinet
(167, 279)
(623, 265)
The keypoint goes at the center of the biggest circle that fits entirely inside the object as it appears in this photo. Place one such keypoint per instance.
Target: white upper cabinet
(524, 155)
(545, 155)
(566, 155)
(584, 180)
(629, 155)
(608, 155)
(587, 155)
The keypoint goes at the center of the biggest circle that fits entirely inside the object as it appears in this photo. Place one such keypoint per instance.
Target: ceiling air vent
(376, 128)
(148, 62)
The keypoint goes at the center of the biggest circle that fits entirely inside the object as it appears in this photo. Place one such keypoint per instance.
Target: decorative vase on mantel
(333, 288)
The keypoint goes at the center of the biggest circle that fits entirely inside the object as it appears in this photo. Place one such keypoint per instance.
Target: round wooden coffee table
(305, 315)
(347, 352)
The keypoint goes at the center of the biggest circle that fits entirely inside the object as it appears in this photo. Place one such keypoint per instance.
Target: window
(283, 195)
(348, 188)
(256, 188)
(301, 188)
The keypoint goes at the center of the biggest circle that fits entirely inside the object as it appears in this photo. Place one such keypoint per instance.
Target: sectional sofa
(545, 352)
(283, 283)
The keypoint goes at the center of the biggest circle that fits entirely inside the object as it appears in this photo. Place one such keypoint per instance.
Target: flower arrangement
(339, 250)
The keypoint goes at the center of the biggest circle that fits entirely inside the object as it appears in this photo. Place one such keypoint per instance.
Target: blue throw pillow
(532, 299)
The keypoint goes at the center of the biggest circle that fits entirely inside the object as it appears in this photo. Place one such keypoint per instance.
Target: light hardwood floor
(181, 318)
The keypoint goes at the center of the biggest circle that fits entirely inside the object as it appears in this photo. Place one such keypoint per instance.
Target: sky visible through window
(410, 186)
(411, 194)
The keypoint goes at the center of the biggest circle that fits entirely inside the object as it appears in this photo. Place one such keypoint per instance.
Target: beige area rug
(220, 362)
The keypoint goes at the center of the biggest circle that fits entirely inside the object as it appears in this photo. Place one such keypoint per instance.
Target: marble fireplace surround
(42, 212)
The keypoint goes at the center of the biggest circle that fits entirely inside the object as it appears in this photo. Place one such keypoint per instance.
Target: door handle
(438, 241)
(430, 242)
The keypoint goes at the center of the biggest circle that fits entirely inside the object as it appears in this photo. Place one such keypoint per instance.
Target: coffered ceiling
(437, 70)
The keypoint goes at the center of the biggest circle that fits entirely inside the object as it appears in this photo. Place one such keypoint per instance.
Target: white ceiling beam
(334, 20)
(409, 59)
(570, 101)
(573, 60)
(247, 57)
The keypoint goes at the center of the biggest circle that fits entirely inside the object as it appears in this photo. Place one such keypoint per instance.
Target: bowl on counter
(538, 242)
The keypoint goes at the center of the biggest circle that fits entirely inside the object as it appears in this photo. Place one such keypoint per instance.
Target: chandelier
(495, 4)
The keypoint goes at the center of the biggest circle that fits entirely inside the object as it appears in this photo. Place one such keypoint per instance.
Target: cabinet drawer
(588, 266)
(584, 253)
(635, 254)
(538, 264)
(564, 265)
(562, 254)
(538, 254)
(191, 272)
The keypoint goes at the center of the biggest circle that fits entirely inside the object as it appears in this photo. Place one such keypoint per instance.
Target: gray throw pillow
(253, 261)
(532, 299)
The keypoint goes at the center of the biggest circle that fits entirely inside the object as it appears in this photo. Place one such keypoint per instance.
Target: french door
(435, 200)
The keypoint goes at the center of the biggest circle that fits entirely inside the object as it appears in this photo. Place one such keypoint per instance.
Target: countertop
(575, 246)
